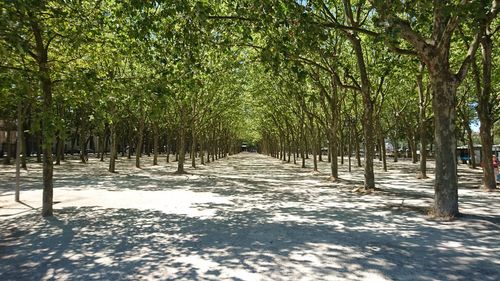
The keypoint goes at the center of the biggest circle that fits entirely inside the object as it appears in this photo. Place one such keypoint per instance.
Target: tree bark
(156, 146)
(39, 147)
(182, 144)
(140, 140)
(383, 152)
(421, 123)
(193, 145)
(443, 102)
(485, 111)
(470, 144)
(58, 150)
(113, 152)
(358, 151)
(47, 117)
(20, 121)
(23, 149)
(83, 147)
(365, 87)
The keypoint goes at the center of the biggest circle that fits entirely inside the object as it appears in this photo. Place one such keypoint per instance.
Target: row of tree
(345, 54)
(201, 76)
(127, 73)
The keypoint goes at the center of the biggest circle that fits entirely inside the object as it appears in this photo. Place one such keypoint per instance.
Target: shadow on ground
(91, 243)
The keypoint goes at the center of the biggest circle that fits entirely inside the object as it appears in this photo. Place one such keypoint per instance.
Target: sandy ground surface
(247, 217)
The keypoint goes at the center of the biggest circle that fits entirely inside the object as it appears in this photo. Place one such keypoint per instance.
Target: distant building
(464, 157)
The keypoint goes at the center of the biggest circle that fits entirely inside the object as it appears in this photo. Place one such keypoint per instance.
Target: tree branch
(16, 68)
(462, 72)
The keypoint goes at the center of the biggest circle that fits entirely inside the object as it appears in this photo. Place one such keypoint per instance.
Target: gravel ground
(246, 217)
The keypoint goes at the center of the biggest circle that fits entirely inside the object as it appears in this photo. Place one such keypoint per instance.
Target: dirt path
(248, 217)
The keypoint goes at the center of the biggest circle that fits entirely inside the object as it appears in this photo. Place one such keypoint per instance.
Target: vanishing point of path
(247, 217)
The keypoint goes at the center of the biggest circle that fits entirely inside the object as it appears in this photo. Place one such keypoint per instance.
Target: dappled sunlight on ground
(247, 217)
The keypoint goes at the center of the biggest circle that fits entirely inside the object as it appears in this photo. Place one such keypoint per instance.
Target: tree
(434, 50)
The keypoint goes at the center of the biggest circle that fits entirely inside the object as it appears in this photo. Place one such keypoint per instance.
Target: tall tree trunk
(349, 149)
(443, 102)
(156, 145)
(202, 150)
(384, 153)
(83, 147)
(422, 95)
(315, 158)
(214, 146)
(333, 153)
(113, 152)
(358, 151)
(485, 110)
(24, 150)
(193, 145)
(335, 107)
(58, 149)
(102, 146)
(414, 155)
(48, 116)
(303, 150)
(369, 145)
(396, 149)
(20, 121)
(48, 130)
(368, 112)
(470, 143)
(140, 140)
(182, 145)
(39, 147)
(318, 147)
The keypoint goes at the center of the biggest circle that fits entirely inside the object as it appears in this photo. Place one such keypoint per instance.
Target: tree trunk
(24, 150)
(83, 152)
(214, 146)
(202, 150)
(20, 121)
(358, 151)
(470, 143)
(368, 132)
(349, 149)
(303, 150)
(39, 147)
(48, 130)
(113, 152)
(334, 166)
(47, 117)
(443, 102)
(102, 146)
(140, 140)
(320, 153)
(193, 145)
(485, 111)
(421, 123)
(383, 153)
(156, 146)
(396, 149)
(58, 150)
(182, 145)
(414, 155)
(369, 145)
